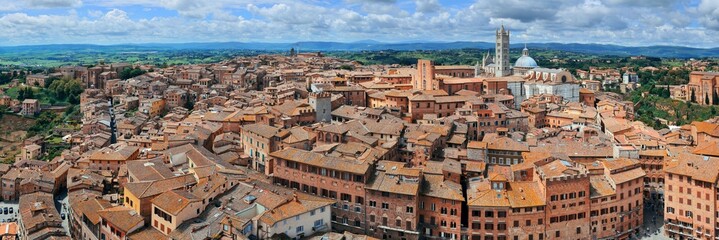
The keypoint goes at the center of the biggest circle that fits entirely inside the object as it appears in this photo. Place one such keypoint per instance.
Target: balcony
(679, 232)
(679, 225)
(397, 229)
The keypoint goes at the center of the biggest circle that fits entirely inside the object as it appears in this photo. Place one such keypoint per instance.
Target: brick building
(690, 197)
(338, 178)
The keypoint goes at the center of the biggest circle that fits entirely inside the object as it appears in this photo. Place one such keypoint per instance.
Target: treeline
(128, 73)
(66, 89)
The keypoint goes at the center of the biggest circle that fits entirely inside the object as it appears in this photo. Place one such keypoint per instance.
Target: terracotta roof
(707, 149)
(477, 145)
(120, 154)
(147, 233)
(452, 166)
(600, 187)
(8, 229)
(507, 144)
(154, 188)
(698, 167)
(625, 176)
(525, 194)
(263, 130)
(619, 163)
(174, 201)
(559, 168)
(37, 211)
(89, 207)
(319, 160)
(302, 204)
(474, 166)
(706, 127)
(124, 218)
(654, 153)
(436, 186)
(149, 170)
(481, 194)
(393, 184)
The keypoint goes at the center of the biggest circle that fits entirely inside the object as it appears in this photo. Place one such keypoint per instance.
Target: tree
(189, 105)
(706, 99)
(128, 73)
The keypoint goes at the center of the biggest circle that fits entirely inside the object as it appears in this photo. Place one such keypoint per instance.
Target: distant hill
(370, 45)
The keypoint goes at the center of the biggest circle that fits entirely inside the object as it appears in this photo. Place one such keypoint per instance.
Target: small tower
(322, 103)
(502, 53)
(293, 53)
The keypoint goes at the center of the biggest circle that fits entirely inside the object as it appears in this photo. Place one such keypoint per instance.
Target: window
(410, 209)
(300, 230)
(385, 205)
(556, 234)
(501, 226)
(488, 214)
(319, 223)
(489, 226)
(372, 204)
(579, 230)
(346, 197)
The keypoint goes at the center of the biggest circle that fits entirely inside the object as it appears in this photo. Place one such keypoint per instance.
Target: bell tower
(502, 53)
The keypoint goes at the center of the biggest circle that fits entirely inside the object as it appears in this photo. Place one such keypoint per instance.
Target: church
(537, 80)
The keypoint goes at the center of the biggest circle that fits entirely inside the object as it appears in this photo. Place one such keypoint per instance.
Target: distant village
(301, 146)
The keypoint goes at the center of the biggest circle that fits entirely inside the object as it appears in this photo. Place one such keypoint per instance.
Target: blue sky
(623, 22)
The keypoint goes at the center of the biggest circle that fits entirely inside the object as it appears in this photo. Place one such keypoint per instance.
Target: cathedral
(498, 66)
(535, 80)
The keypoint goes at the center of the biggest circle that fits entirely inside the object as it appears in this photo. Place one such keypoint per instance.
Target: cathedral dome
(525, 61)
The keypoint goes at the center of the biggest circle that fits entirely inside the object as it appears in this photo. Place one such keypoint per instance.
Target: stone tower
(502, 54)
(322, 103)
(424, 80)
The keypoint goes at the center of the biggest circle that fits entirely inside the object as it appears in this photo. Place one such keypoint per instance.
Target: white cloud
(54, 3)
(625, 22)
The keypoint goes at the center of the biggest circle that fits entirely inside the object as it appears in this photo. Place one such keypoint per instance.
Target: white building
(551, 81)
(298, 218)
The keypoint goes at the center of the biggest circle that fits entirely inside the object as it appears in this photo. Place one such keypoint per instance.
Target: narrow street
(653, 222)
(61, 204)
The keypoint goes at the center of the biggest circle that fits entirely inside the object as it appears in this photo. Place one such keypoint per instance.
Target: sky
(692, 23)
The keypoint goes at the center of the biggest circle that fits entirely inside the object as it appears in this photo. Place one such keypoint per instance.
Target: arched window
(564, 79)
